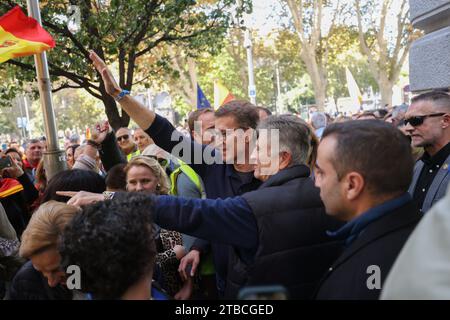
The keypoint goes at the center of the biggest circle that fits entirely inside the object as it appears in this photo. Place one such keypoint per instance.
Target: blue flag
(202, 102)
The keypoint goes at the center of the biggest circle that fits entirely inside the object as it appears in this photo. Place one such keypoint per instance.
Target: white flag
(353, 88)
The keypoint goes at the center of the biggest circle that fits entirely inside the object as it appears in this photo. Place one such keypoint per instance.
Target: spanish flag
(9, 187)
(22, 36)
(221, 95)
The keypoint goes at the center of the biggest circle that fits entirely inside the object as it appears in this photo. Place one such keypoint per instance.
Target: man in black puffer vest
(293, 247)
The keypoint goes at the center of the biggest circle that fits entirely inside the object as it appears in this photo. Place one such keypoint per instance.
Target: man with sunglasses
(126, 143)
(427, 121)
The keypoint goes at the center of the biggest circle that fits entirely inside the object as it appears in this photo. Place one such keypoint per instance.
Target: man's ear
(446, 121)
(354, 185)
(285, 160)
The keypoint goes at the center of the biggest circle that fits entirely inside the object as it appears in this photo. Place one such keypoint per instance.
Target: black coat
(378, 245)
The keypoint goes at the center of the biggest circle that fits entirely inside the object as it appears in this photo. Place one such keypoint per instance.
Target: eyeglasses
(124, 137)
(161, 161)
(223, 133)
(418, 120)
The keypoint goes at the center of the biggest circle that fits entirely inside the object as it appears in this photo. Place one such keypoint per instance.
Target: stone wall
(429, 58)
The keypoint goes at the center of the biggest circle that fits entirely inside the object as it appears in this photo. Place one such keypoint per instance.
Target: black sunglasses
(418, 120)
(124, 137)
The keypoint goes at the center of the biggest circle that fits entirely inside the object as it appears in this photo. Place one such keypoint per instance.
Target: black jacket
(293, 247)
(378, 245)
(30, 284)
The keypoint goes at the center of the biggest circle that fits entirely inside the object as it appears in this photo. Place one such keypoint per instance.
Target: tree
(75, 109)
(344, 52)
(308, 16)
(123, 32)
(385, 47)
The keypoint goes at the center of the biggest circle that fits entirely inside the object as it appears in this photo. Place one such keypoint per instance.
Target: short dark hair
(73, 147)
(378, 151)
(367, 114)
(267, 111)
(113, 244)
(116, 179)
(32, 141)
(439, 98)
(244, 112)
(194, 115)
(73, 180)
(9, 150)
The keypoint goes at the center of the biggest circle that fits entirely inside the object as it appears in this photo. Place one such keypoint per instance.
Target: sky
(266, 16)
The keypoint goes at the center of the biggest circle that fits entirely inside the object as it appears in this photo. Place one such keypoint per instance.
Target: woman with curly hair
(122, 240)
(145, 174)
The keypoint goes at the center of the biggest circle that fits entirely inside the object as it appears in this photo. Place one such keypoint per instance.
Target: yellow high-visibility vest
(133, 154)
(191, 174)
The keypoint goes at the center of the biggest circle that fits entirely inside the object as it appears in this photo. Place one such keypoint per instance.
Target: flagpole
(54, 159)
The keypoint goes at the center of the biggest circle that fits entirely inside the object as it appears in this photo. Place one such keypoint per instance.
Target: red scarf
(28, 165)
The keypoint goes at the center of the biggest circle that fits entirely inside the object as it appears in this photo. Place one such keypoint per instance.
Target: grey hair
(295, 137)
(319, 120)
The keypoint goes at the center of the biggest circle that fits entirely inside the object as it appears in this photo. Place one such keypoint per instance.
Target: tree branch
(297, 15)
(363, 44)
(65, 86)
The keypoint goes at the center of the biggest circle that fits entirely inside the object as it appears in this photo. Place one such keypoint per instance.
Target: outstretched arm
(228, 221)
(157, 127)
(138, 112)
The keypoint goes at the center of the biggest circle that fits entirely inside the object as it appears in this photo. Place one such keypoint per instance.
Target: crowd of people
(326, 209)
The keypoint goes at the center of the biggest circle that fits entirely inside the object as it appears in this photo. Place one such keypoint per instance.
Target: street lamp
(54, 159)
(251, 78)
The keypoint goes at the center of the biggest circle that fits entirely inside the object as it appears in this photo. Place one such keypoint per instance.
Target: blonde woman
(144, 174)
(42, 278)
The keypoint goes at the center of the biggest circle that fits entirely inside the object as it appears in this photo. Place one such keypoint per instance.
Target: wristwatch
(109, 195)
(122, 94)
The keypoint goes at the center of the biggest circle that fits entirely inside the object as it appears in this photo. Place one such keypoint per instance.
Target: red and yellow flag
(21, 36)
(9, 187)
(221, 95)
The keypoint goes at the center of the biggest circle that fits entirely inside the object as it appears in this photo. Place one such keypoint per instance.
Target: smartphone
(5, 163)
(275, 292)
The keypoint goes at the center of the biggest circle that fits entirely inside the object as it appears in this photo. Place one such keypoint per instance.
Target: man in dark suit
(428, 123)
(363, 171)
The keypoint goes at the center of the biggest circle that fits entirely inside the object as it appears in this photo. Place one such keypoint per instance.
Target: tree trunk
(112, 112)
(320, 96)
(386, 92)
(318, 79)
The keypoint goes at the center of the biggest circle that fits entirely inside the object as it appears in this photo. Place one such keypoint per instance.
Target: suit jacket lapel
(438, 179)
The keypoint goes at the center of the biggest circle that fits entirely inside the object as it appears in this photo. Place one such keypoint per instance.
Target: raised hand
(101, 130)
(111, 86)
(14, 171)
